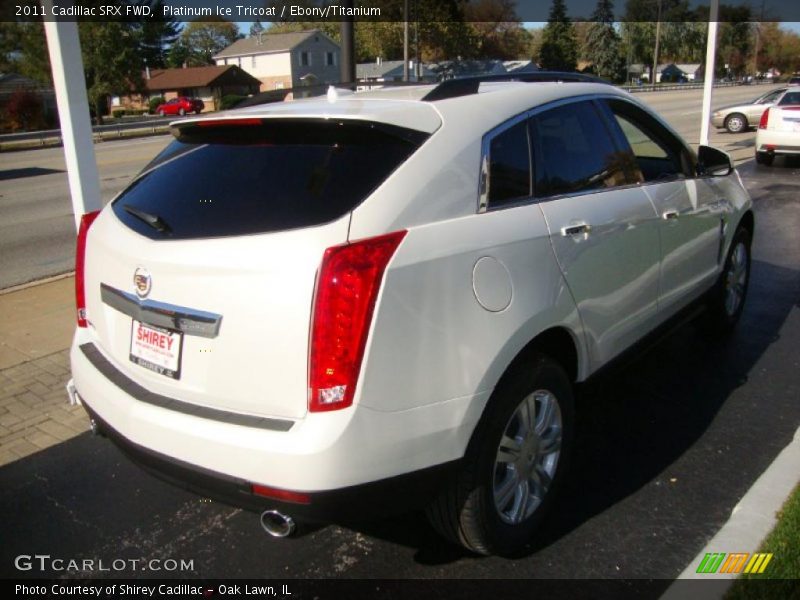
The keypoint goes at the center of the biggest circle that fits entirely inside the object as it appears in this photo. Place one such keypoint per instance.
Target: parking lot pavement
(668, 444)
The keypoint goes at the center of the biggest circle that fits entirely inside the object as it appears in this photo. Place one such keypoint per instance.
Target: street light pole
(655, 53)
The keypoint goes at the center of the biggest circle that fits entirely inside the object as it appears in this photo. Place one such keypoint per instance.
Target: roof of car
(405, 106)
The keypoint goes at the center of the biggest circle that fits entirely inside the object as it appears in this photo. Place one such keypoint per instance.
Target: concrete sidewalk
(35, 334)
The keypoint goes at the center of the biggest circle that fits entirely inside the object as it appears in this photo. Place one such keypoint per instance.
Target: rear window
(217, 181)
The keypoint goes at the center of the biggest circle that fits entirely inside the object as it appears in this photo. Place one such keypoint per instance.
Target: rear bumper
(320, 454)
(355, 503)
(778, 142)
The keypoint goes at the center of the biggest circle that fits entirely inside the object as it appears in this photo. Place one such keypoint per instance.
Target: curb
(37, 282)
(751, 521)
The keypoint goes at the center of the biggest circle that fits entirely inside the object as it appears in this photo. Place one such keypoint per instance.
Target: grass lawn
(784, 544)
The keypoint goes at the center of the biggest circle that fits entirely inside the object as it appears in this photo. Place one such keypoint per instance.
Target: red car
(180, 106)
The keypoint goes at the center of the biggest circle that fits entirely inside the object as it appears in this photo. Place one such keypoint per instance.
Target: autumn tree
(559, 51)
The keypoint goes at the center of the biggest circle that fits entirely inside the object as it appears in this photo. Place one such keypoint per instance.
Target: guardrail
(685, 86)
(148, 126)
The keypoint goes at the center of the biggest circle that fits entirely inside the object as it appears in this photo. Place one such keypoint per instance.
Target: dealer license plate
(156, 349)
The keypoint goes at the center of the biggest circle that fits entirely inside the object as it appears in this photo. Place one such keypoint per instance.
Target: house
(208, 83)
(520, 66)
(285, 60)
(679, 73)
(450, 69)
(392, 70)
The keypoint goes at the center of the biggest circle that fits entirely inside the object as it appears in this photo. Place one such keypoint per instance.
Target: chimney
(147, 72)
(378, 61)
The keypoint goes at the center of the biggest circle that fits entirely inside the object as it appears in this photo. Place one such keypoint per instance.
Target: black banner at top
(391, 10)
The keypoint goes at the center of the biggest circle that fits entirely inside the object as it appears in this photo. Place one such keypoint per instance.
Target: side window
(790, 98)
(771, 97)
(509, 166)
(658, 155)
(575, 152)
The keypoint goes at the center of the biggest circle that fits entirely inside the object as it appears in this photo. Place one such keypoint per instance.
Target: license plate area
(156, 349)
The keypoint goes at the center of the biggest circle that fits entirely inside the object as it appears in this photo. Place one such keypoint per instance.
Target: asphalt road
(37, 235)
(667, 445)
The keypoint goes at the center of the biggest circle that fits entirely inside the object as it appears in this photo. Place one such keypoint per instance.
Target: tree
(155, 34)
(256, 28)
(497, 30)
(602, 42)
(559, 51)
(111, 61)
(200, 41)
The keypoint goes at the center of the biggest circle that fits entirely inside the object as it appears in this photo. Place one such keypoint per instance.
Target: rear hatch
(200, 277)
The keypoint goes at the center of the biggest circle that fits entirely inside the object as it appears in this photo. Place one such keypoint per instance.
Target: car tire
(729, 294)
(503, 489)
(736, 123)
(161, 113)
(181, 112)
(765, 158)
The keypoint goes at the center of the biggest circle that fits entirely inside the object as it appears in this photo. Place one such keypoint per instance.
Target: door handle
(577, 229)
(670, 214)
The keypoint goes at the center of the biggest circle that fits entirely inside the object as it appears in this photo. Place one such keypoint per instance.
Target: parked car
(180, 106)
(779, 129)
(338, 307)
(794, 80)
(737, 118)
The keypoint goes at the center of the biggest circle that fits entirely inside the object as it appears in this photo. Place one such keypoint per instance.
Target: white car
(779, 129)
(368, 302)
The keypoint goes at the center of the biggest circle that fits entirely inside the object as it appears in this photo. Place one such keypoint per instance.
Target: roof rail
(453, 88)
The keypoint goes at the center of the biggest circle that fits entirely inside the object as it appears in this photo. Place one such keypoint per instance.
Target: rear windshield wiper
(154, 221)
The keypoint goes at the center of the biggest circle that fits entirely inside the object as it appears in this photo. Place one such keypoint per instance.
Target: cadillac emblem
(142, 282)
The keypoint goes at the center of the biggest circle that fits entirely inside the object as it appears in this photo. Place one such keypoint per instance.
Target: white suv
(374, 301)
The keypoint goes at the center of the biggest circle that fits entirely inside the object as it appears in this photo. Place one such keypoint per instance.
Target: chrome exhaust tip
(277, 524)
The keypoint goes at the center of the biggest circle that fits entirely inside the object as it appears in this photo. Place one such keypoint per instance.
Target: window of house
(330, 59)
(509, 166)
(305, 59)
(574, 151)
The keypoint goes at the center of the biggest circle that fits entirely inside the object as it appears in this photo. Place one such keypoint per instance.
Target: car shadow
(634, 422)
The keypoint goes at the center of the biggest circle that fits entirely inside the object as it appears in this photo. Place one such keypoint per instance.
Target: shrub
(154, 102)
(24, 110)
(230, 101)
(118, 113)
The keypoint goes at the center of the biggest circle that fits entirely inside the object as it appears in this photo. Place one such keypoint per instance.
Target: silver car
(737, 118)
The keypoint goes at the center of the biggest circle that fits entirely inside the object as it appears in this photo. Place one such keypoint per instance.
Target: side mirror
(712, 162)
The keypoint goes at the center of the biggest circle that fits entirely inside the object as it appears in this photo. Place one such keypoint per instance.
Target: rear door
(201, 275)
(603, 227)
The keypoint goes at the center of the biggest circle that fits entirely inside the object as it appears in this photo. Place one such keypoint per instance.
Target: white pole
(708, 82)
(73, 111)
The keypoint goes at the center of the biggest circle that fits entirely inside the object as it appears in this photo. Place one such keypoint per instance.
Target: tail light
(80, 257)
(347, 287)
(762, 124)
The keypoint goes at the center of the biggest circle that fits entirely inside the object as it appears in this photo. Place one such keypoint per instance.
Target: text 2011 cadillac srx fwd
(370, 301)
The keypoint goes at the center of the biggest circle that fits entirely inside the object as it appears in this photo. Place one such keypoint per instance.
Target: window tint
(574, 151)
(790, 98)
(658, 154)
(236, 180)
(509, 166)
(771, 97)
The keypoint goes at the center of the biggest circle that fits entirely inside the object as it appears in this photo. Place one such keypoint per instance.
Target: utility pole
(347, 68)
(405, 40)
(655, 53)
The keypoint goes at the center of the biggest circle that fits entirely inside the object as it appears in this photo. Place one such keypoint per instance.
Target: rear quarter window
(272, 176)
